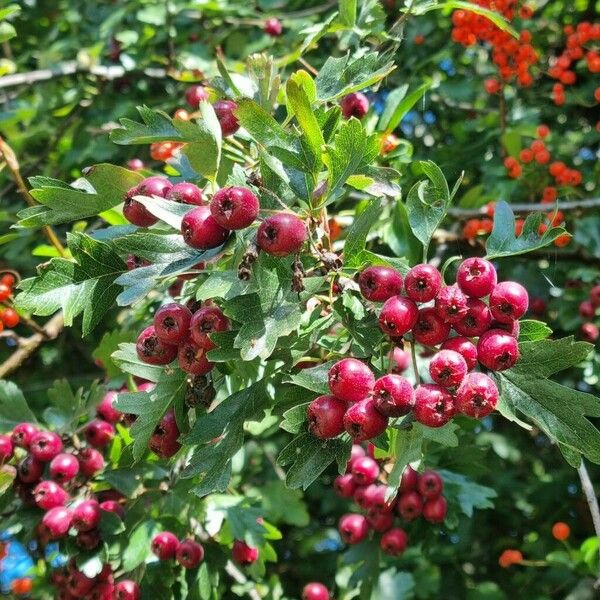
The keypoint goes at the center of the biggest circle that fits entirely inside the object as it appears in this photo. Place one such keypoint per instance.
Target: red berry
(356, 452)
(451, 304)
(243, 554)
(106, 410)
(315, 591)
(282, 234)
(590, 332)
(99, 433)
(477, 320)
(423, 283)
(64, 467)
(45, 445)
(186, 193)
(22, 434)
(393, 395)
(273, 27)
(595, 296)
(448, 368)
(164, 440)
(192, 359)
(401, 360)
(410, 505)
(508, 301)
(196, 94)
(172, 323)
(48, 494)
(353, 528)
(189, 554)
(513, 328)
(135, 164)
(225, 111)
(152, 350)
(394, 541)
(430, 328)
(361, 498)
(409, 480)
(587, 310)
(6, 449)
(380, 283)
(430, 484)
(164, 545)
(465, 347)
(434, 406)
(88, 540)
(57, 522)
(363, 421)
(234, 207)
(127, 590)
(434, 510)
(354, 105)
(135, 212)
(86, 515)
(497, 350)
(344, 485)
(350, 380)
(207, 320)
(201, 231)
(375, 498)
(10, 317)
(79, 585)
(398, 316)
(325, 416)
(380, 521)
(30, 469)
(91, 462)
(477, 395)
(365, 471)
(113, 506)
(476, 277)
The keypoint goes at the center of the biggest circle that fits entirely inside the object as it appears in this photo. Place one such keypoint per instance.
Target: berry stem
(413, 354)
(590, 495)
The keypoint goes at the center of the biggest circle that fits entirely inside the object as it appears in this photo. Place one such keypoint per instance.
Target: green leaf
(406, 447)
(294, 418)
(394, 585)
(399, 236)
(359, 230)
(138, 545)
(157, 126)
(13, 406)
(398, 104)
(314, 379)
(347, 10)
(586, 234)
(7, 32)
(532, 331)
(467, 493)
(283, 505)
(67, 407)
(503, 242)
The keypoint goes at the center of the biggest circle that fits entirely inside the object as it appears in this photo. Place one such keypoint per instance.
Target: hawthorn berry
(430, 484)
(64, 467)
(423, 283)
(234, 207)
(375, 498)
(106, 410)
(401, 360)
(356, 452)
(225, 111)
(48, 494)
(595, 296)
(164, 545)
(497, 350)
(6, 449)
(350, 380)
(204, 322)
(22, 434)
(430, 328)
(451, 304)
(590, 332)
(79, 585)
(136, 212)
(163, 441)
(91, 462)
(196, 94)
(353, 528)
(476, 277)
(10, 317)
(344, 485)
(86, 515)
(243, 554)
(477, 395)
(380, 521)
(409, 480)
(135, 164)
(561, 531)
(186, 193)
(57, 522)
(380, 283)
(325, 416)
(152, 350)
(88, 540)
(114, 507)
(364, 422)
(394, 395)
(201, 231)
(30, 469)
(410, 505)
(435, 509)
(192, 359)
(448, 368)
(434, 406)
(172, 323)
(273, 27)
(315, 591)
(465, 347)
(365, 470)
(127, 590)
(99, 433)
(355, 104)
(394, 541)
(508, 301)
(398, 316)
(282, 234)
(45, 445)
(189, 554)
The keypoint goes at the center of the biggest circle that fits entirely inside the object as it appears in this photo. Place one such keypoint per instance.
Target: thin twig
(522, 207)
(591, 498)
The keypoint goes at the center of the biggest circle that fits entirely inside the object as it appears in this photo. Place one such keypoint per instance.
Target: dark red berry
(448, 368)
(477, 320)
(201, 231)
(398, 316)
(508, 301)
(273, 27)
(164, 545)
(225, 111)
(497, 350)
(434, 510)
(164, 440)
(325, 416)
(86, 515)
(410, 505)
(380, 521)
(423, 283)
(57, 522)
(476, 277)
(356, 452)
(135, 212)
(88, 540)
(172, 323)
(587, 310)
(99, 433)
(434, 405)
(106, 410)
(315, 591)
(64, 467)
(192, 359)
(394, 395)
(22, 434)
(394, 541)
(344, 485)
(204, 322)
(6, 449)
(409, 480)
(430, 329)
(234, 207)
(354, 105)
(353, 528)
(186, 193)
(189, 554)
(135, 262)
(538, 306)
(282, 234)
(114, 507)
(430, 484)
(152, 350)
(79, 585)
(350, 380)
(375, 498)
(243, 554)
(595, 296)
(45, 445)
(379, 283)
(361, 498)
(196, 94)
(364, 422)
(48, 494)
(477, 395)
(465, 347)
(90, 462)
(30, 469)
(127, 590)
(451, 304)
(365, 470)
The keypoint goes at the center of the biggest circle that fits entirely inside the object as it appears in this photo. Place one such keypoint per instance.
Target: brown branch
(28, 346)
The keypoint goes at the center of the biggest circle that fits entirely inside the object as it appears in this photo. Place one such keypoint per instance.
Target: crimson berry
(135, 212)
(401, 360)
(57, 522)
(595, 296)
(155, 186)
(365, 471)
(587, 309)
(410, 505)
(186, 193)
(22, 434)
(106, 410)
(88, 540)
(172, 323)
(451, 304)
(398, 316)
(10, 317)
(6, 448)
(45, 445)
(423, 283)
(353, 528)
(189, 554)
(86, 515)
(435, 510)
(196, 94)
(476, 321)
(380, 283)
(315, 591)
(234, 207)
(380, 521)
(192, 359)
(355, 104)
(344, 485)
(282, 234)
(163, 441)
(48, 494)
(430, 328)
(30, 469)
(590, 332)
(476, 277)
(112, 506)
(350, 380)
(201, 231)
(164, 545)
(225, 111)
(325, 416)
(465, 347)
(394, 541)
(127, 590)
(508, 301)
(375, 498)
(204, 322)
(409, 480)
(430, 484)
(497, 350)
(363, 421)
(477, 395)
(434, 405)
(394, 395)
(99, 433)
(448, 368)
(243, 554)
(152, 350)
(273, 27)
(90, 462)
(513, 328)
(79, 585)
(357, 451)
(361, 497)
(64, 467)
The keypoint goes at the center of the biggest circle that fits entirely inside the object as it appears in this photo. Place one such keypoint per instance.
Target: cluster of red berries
(514, 58)
(418, 494)
(587, 310)
(9, 317)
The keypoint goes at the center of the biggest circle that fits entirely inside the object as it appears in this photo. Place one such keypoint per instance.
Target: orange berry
(542, 157)
(9, 279)
(597, 94)
(550, 194)
(543, 131)
(419, 39)
(519, 227)
(509, 558)
(560, 242)
(561, 531)
(537, 146)
(389, 143)
(335, 229)
(4, 292)
(10, 317)
(21, 586)
(526, 155)
(556, 218)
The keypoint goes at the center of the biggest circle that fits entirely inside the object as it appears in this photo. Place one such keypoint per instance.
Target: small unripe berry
(86, 516)
(363, 421)
(380, 521)
(434, 406)
(350, 380)
(380, 283)
(57, 522)
(477, 395)
(410, 505)
(192, 359)
(6, 449)
(477, 320)
(64, 467)
(164, 545)
(186, 193)
(448, 368)
(355, 104)
(508, 301)
(234, 207)
(99, 433)
(243, 554)
(497, 350)
(451, 304)
(476, 277)
(423, 283)
(344, 485)
(430, 329)
(45, 445)
(282, 234)
(48, 494)
(22, 434)
(435, 510)
(201, 231)
(353, 528)
(394, 541)
(127, 590)
(207, 320)
(189, 554)
(152, 350)
(325, 416)
(365, 471)
(30, 469)
(465, 347)
(106, 410)
(409, 480)
(394, 395)
(196, 94)
(315, 591)
(430, 484)
(398, 316)
(90, 462)
(273, 27)
(172, 323)
(225, 111)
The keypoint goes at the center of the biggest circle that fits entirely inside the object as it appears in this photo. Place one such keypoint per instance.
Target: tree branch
(590, 495)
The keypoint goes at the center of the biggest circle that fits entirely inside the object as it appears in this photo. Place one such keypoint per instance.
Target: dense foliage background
(70, 70)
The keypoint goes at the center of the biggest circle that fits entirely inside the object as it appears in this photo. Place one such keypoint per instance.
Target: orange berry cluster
(509, 558)
(514, 58)
(9, 317)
